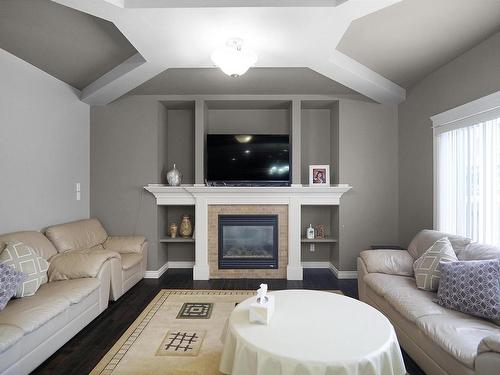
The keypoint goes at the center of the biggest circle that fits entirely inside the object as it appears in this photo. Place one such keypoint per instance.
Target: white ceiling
(284, 33)
(408, 40)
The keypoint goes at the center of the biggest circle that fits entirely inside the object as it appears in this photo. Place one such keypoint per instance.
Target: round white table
(311, 332)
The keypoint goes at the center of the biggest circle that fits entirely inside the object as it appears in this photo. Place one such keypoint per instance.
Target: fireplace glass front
(248, 241)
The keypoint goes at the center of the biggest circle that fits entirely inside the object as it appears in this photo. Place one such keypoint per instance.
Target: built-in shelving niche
(318, 124)
(324, 250)
(248, 117)
(319, 137)
(178, 249)
(176, 139)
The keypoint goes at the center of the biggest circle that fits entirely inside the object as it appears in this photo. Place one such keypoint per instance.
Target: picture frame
(319, 175)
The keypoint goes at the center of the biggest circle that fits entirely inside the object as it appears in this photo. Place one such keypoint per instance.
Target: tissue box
(262, 313)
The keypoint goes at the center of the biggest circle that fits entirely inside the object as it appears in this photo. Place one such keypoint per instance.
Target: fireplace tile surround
(213, 240)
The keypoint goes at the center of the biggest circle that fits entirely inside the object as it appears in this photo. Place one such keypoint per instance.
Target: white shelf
(188, 194)
(177, 240)
(319, 240)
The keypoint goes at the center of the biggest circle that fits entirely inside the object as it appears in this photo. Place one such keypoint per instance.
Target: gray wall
(124, 158)
(44, 148)
(316, 141)
(472, 75)
(128, 140)
(244, 121)
(368, 150)
(179, 145)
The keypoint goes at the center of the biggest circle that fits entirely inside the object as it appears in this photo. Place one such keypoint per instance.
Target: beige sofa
(440, 340)
(33, 328)
(89, 235)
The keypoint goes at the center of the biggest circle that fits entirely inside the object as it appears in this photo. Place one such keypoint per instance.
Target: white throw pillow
(426, 268)
(24, 259)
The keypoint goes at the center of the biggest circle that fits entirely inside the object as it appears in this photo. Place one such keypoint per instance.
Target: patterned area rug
(179, 332)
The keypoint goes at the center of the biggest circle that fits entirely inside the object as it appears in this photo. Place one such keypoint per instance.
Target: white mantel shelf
(201, 196)
(306, 195)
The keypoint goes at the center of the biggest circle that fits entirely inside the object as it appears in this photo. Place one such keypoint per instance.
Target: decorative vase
(174, 177)
(186, 229)
(172, 230)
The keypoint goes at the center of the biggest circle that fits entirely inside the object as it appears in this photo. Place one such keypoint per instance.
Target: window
(467, 177)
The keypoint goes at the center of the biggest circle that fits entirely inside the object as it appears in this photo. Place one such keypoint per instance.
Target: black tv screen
(248, 158)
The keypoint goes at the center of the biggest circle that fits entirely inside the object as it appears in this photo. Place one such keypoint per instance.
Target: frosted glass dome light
(234, 59)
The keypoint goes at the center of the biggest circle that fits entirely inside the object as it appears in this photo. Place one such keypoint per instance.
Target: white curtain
(468, 173)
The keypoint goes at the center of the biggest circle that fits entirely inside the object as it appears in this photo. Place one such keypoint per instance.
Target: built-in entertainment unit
(248, 160)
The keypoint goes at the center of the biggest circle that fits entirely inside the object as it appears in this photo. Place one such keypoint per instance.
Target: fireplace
(248, 241)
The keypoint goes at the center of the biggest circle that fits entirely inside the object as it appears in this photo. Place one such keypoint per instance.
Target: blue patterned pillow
(10, 278)
(472, 287)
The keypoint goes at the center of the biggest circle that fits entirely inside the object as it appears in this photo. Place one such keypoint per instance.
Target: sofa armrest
(489, 344)
(393, 262)
(487, 363)
(125, 244)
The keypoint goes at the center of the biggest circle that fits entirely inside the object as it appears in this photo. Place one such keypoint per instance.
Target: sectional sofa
(33, 328)
(440, 340)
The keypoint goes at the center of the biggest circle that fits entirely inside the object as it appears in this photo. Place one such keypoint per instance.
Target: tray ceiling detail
(172, 34)
(73, 46)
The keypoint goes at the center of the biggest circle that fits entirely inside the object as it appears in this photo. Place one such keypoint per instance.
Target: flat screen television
(248, 159)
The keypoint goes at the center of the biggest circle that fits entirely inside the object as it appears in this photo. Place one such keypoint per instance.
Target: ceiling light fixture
(234, 59)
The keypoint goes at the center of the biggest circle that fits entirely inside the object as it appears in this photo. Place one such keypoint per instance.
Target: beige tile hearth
(213, 240)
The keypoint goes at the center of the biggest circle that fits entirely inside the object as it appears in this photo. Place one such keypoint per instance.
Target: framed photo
(319, 175)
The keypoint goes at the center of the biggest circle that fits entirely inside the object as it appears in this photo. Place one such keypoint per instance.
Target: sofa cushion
(392, 262)
(457, 334)
(472, 287)
(24, 259)
(10, 279)
(426, 238)
(73, 290)
(427, 273)
(9, 335)
(382, 283)
(77, 235)
(479, 251)
(52, 299)
(125, 244)
(29, 313)
(130, 260)
(414, 303)
(36, 240)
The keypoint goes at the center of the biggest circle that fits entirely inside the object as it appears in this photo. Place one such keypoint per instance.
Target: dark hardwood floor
(82, 353)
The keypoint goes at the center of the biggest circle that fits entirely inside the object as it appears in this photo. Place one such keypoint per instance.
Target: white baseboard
(180, 264)
(156, 274)
(343, 274)
(324, 264)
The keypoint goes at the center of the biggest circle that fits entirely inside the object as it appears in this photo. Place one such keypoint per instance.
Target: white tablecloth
(312, 332)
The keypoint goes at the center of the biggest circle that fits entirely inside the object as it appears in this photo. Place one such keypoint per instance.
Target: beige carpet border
(108, 357)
